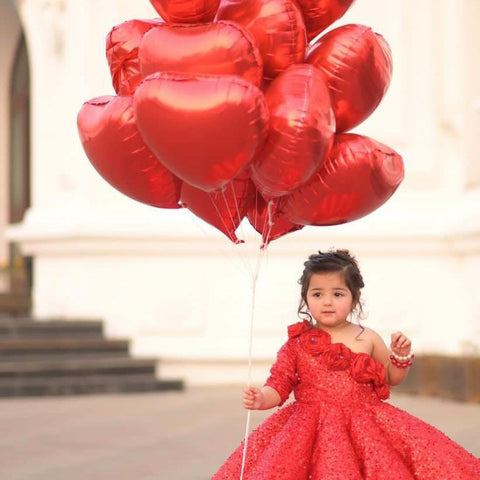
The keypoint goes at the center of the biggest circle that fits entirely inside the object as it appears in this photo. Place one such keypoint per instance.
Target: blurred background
(74, 249)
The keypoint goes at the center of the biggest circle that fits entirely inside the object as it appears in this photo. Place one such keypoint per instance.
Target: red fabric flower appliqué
(298, 328)
(383, 391)
(380, 382)
(337, 356)
(315, 341)
(364, 369)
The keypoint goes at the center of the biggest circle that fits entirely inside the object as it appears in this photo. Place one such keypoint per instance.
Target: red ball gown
(339, 427)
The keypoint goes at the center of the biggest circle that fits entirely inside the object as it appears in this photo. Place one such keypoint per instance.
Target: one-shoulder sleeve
(283, 374)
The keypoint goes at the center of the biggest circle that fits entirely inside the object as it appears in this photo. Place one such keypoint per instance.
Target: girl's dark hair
(332, 261)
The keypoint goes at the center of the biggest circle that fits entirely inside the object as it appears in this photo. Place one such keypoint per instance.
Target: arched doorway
(19, 162)
(15, 270)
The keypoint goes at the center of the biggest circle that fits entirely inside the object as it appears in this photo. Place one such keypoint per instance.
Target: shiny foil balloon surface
(359, 175)
(319, 14)
(218, 48)
(277, 26)
(122, 53)
(269, 219)
(223, 209)
(357, 64)
(221, 95)
(116, 150)
(204, 128)
(301, 130)
(186, 11)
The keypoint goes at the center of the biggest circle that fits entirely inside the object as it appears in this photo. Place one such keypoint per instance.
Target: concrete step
(77, 367)
(89, 384)
(27, 327)
(38, 349)
(69, 357)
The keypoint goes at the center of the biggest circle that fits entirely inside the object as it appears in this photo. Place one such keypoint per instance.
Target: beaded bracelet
(403, 359)
(402, 362)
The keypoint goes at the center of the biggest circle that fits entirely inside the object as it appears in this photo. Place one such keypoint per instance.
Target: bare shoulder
(371, 334)
(379, 348)
(374, 337)
(361, 334)
(365, 333)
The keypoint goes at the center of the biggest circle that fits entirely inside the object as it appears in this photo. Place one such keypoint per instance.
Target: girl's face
(329, 299)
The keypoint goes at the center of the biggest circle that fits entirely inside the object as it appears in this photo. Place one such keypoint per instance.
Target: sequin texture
(339, 427)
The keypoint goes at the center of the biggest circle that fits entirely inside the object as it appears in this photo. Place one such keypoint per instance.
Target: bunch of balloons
(225, 108)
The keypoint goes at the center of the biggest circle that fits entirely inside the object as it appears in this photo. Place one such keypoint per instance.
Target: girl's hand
(252, 398)
(400, 345)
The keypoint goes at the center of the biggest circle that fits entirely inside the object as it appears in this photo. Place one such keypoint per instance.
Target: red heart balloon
(186, 11)
(319, 14)
(269, 219)
(116, 150)
(122, 53)
(223, 209)
(204, 128)
(359, 175)
(219, 48)
(357, 64)
(277, 26)
(301, 130)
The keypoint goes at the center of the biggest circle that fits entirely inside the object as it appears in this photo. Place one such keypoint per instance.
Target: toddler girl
(339, 427)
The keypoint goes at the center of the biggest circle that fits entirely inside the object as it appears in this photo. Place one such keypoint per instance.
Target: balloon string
(249, 381)
(225, 200)
(256, 207)
(246, 265)
(238, 211)
(260, 257)
(268, 224)
(220, 216)
(227, 208)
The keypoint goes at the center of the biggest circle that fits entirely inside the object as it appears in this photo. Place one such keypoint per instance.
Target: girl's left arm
(400, 345)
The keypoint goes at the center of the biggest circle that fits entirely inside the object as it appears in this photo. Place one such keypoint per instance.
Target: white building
(178, 288)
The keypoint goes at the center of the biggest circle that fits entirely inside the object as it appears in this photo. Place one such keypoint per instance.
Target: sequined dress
(339, 427)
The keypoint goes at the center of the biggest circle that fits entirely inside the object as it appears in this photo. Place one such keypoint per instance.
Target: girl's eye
(317, 294)
(338, 294)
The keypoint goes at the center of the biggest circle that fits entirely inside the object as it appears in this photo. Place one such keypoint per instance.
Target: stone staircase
(60, 357)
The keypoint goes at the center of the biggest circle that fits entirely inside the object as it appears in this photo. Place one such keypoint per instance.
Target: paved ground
(161, 436)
